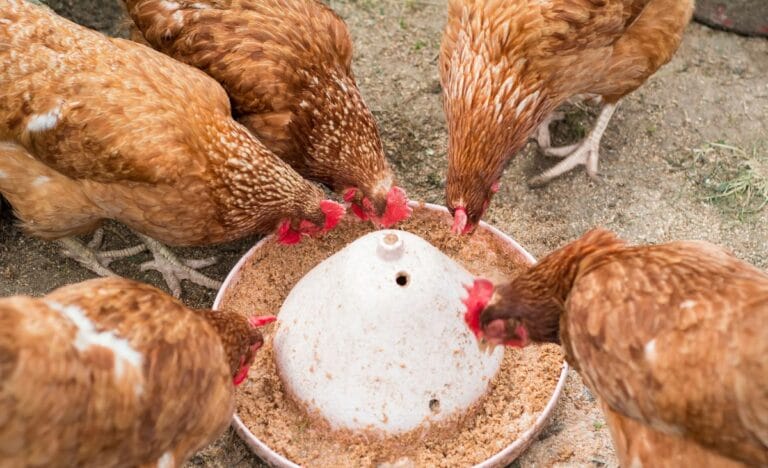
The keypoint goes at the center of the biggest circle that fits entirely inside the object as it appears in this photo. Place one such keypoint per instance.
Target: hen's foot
(584, 153)
(174, 270)
(542, 135)
(91, 257)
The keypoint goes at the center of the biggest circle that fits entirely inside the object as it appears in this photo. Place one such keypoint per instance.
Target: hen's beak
(486, 347)
(459, 221)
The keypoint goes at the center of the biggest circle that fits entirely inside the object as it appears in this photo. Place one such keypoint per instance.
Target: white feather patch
(650, 350)
(166, 461)
(170, 6)
(43, 122)
(87, 336)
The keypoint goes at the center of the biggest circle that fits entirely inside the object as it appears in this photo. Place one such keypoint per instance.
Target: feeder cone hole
(374, 338)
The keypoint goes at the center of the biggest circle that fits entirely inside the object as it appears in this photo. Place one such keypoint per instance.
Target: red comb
(459, 221)
(261, 320)
(286, 234)
(495, 187)
(397, 207)
(479, 294)
(333, 213)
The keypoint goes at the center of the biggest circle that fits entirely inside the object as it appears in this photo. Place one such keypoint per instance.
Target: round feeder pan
(500, 459)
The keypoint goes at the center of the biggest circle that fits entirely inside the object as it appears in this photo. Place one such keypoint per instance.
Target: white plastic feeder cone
(374, 337)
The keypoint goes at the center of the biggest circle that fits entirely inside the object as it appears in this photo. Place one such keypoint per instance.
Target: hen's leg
(91, 257)
(542, 134)
(586, 152)
(174, 269)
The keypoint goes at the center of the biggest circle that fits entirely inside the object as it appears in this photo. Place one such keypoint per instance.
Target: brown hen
(672, 338)
(111, 372)
(93, 128)
(507, 65)
(287, 66)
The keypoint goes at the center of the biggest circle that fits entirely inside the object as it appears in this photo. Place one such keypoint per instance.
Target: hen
(93, 128)
(507, 65)
(287, 66)
(672, 338)
(111, 372)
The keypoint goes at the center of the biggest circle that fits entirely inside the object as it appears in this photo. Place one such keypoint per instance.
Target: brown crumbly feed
(516, 396)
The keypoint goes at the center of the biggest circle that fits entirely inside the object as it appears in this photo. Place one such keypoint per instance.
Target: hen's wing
(47, 390)
(674, 336)
(639, 445)
(97, 108)
(608, 47)
(188, 387)
(264, 53)
(530, 29)
(109, 372)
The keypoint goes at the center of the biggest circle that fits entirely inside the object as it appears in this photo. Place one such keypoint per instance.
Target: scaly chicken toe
(542, 135)
(586, 153)
(174, 269)
(92, 257)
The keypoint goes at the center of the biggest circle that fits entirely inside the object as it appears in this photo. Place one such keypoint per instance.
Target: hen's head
(488, 328)
(467, 199)
(344, 146)
(325, 218)
(240, 337)
(490, 113)
(383, 208)
(511, 314)
(255, 341)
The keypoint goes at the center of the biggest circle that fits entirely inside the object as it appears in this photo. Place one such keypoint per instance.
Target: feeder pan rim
(500, 459)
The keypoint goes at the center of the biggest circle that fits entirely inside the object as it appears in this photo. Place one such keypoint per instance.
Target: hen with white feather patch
(110, 372)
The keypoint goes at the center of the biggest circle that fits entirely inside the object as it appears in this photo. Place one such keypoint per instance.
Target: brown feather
(506, 65)
(70, 399)
(94, 128)
(286, 65)
(672, 336)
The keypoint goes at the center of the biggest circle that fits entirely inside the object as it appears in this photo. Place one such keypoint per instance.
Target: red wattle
(241, 376)
(333, 213)
(349, 194)
(287, 235)
(359, 212)
(261, 320)
(397, 207)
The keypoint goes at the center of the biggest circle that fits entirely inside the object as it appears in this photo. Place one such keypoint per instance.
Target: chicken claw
(174, 269)
(91, 257)
(542, 134)
(585, 152)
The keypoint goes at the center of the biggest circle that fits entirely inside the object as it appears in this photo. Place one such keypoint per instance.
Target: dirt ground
(685, 157)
